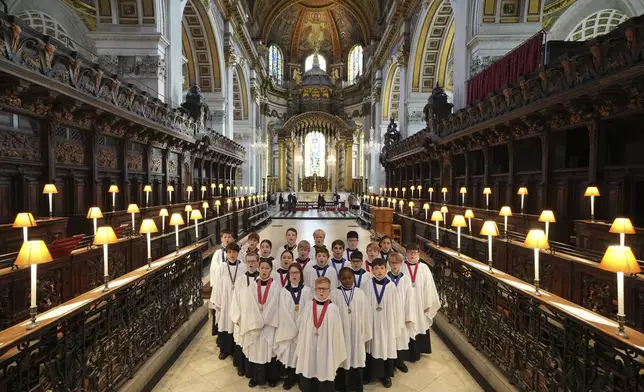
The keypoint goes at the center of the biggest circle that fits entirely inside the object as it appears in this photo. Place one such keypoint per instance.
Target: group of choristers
(320, 320)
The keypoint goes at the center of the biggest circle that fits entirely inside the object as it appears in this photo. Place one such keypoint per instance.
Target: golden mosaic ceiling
(298, 26)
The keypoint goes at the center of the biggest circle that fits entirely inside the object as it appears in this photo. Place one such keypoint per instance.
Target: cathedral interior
(517, 115)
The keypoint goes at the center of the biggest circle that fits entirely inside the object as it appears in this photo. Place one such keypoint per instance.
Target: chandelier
(259, 147)
(372, 146)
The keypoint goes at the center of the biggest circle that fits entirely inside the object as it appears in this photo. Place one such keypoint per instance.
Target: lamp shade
(228, 188)
(444, 190)
(426, 206)
(547, 216)
(205, 205)
(163, 212)
(393, 201)
(147, 188)
(592, 191)
(431, 189)
(487, 191)
(459, 221)
(412, 204)
(170, 188)
(49, 188)
(536, 239)
(176, 220)
(94, 213)
(505, 211)
(105, 235)
(188, 207)
(24, 219)
(622, 226)
(522, 191)
(469, 213)
(113, 189)
(203, 188)
(217, 203)
(490, 228)
(148, 226)
(444, 209)
(402, 202)
(213, 185)
(437, 216)
(133, 209)
(189, 188)
(33, 252)
(619, 259)
(196, 214)
(404, 189)
(463, 190)
(221, 186)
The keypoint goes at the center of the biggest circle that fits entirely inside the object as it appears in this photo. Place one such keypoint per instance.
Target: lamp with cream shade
(242, 199)
(548, 217)
(490, 229)
(205, 207)
(389, 191)
(114, 189)
(403, 191)
(203, 191)
(458, 222)
(469, 214)
(393, 204)
(147, 189)
(426, 208)
(431, 194)
(217, 204)
(176, 220)
(620, 259)
(401, 203)
(235, 189)
(536, 239)
(592, 192)
(420, 189)
(437, 217)
(163, 213)
(196, 215)
(148, 227)
(463, 192)
(24, 220)
(412, 189)
(212, 189)
(105, 236)
(487, 191)
(444, 192)
(187, 209)
(237, 203)
(505, 212)
(49, 190)
(411, 207)
(170, 190)
(523, 192)
(189, 190)
(228, 190)
(622, 226)
(94, 214)
(133, 209)
(220, 186)
(396, 191)
(33, 253)
(389, 202)
(444, 211)
(229, 204)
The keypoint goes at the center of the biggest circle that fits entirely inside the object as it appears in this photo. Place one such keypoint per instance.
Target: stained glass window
(308, 63)
(355, 63)
(314, 152)
(275, 62)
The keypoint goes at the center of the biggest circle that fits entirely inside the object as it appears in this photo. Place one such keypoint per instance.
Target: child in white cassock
(403, 284)
(219, 257)
(252, 263)
(360, 276)
(320, 269)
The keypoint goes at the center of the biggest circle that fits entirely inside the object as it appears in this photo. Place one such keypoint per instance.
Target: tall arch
(240, 94)
(202, 47)
(391, 93)
(431, 46)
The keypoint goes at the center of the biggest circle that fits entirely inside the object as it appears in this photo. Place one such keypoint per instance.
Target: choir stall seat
(396, 233)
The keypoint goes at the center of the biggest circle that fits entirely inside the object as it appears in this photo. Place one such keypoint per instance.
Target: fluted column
(231, 62)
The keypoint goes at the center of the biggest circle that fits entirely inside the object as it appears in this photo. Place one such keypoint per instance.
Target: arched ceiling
(297, 26)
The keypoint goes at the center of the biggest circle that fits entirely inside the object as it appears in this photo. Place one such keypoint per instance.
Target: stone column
(289, 165)
(348, 165)
(340, 159)
(231, 61)
(402, 58)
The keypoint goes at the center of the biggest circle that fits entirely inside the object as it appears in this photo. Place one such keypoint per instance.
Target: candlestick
(176, 237)
(51, 210)
(113, 201)
(149, 252)
(437, 235)
(34, 289)
(536, 271)
(489, 251)
(106, 274)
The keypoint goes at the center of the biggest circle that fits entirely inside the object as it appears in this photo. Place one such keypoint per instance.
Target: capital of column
(230, 57)
(402, 56)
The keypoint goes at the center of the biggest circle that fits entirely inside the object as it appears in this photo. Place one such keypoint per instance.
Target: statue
(297, 76)
(392, 135)
(335, 76)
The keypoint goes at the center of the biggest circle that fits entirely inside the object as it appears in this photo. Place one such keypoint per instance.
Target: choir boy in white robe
(360, 276)
(226, 276)
(286, 259)
(318, 242)
(219, 257)
(320, 343)
(373, 252)
(426, 302)
(352, 243)
(357, 326)
(250, 247)
(388, 323)
(251, 274)
(303, 252)
(320, 269)
(337, 260)
(291, 240)
(266, 251)
(294, 296)
(386, 248)
(265, 330)
(403, 284)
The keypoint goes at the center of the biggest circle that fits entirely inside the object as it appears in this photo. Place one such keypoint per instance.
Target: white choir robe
(425, 296)
(223, 293)
(240, 289)
(264, 333)
(388, 323)
(357, 325)
(320, 356)
(311, 275)
(217, 259)
(338, 266)
(408, 310)
(360, 282)
(288, 358)
(282, 278)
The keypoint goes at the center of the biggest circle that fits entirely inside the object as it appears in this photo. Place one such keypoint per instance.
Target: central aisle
(198, 369)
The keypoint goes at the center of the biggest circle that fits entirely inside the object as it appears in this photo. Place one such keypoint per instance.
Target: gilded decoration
(71, 154)
(107, 158)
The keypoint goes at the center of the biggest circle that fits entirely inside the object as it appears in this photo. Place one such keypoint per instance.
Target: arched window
(308, 64)
(594, 25)
(355, 63)
(315, 154)
(275, 62)
(45, 24)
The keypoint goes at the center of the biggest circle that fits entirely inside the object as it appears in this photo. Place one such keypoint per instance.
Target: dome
(316, 76)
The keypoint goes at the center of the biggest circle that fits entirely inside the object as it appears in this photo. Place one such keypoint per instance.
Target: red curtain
(520, 61)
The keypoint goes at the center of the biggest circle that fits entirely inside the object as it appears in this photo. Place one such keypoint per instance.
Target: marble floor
(198, 369)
